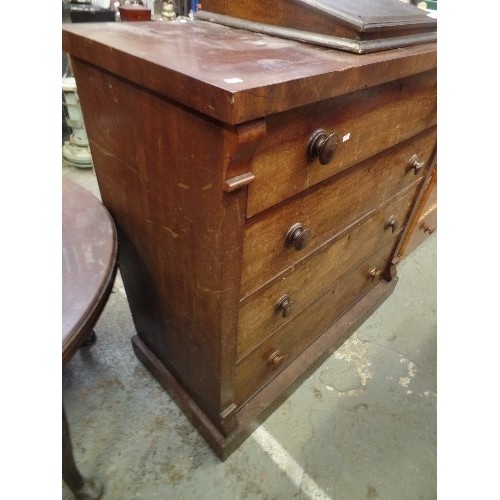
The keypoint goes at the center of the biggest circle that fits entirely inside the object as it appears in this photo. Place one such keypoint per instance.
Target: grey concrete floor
(363, 425)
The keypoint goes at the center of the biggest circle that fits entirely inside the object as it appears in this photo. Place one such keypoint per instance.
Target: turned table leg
(90, 340)
(83, 489)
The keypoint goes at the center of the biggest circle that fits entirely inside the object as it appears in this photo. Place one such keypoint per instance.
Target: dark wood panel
(179, 234)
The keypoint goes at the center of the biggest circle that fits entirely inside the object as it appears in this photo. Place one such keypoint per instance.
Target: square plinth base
(273, 394)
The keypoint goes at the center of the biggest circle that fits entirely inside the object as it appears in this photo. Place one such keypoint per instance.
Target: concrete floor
(362, 426)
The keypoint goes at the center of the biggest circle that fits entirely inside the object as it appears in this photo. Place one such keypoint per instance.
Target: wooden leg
(90, 340)
(83, 489)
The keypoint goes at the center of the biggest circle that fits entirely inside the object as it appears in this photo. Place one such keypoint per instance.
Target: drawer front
(253, 371)
(281, 302)
(363, 124)
(427, 225)
(274, 242)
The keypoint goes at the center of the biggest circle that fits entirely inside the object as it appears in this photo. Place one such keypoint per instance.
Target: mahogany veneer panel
(197, 132)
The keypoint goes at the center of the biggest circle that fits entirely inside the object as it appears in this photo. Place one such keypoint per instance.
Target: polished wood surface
(177, 152)
(328, 209)
(259, 316)
(89, 249)
(366, 122)
(234, 75)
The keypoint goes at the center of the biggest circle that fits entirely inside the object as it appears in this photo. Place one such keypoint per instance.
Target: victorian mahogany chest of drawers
(260, 188)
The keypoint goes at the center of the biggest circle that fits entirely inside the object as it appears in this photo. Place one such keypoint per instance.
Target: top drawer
(363, 123)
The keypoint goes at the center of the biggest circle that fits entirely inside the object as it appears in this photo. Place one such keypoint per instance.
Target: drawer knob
(298, 237)
(374, 273)
(275, 359)
(322, 146)
(415, 165)
(427, 228)
(391, 222)
(284, 305)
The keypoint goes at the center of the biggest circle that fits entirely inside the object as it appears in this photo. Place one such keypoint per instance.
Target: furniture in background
(425, 221)
(261, 195)
(89, 251)
(134, 13)
(86, 12)
(361, 27)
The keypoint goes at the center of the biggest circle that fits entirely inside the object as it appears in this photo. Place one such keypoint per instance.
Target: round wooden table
(89, 257)
(89, 249)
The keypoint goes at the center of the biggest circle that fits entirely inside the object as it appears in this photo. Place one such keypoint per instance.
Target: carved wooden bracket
(241, 143)
(237, 182)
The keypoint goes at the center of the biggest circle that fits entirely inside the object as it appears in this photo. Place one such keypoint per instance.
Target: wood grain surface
(366, 122)
(197, 135)
(234, 75)
(259, 317)
(327, 209)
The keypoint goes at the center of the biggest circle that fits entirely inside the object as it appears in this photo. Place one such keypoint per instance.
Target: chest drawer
(269, 309)
(327, 210)
(262, 364)
(363, 124)
(426, 225)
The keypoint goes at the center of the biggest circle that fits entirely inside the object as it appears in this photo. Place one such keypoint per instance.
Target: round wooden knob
(391, 222)
(275, 359)
(298, 237)
(415, 165)
(284, 305)
(322, 146)
(374, 273)
(427, 228)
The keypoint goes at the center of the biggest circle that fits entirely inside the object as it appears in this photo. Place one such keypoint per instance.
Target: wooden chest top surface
(234, 75)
